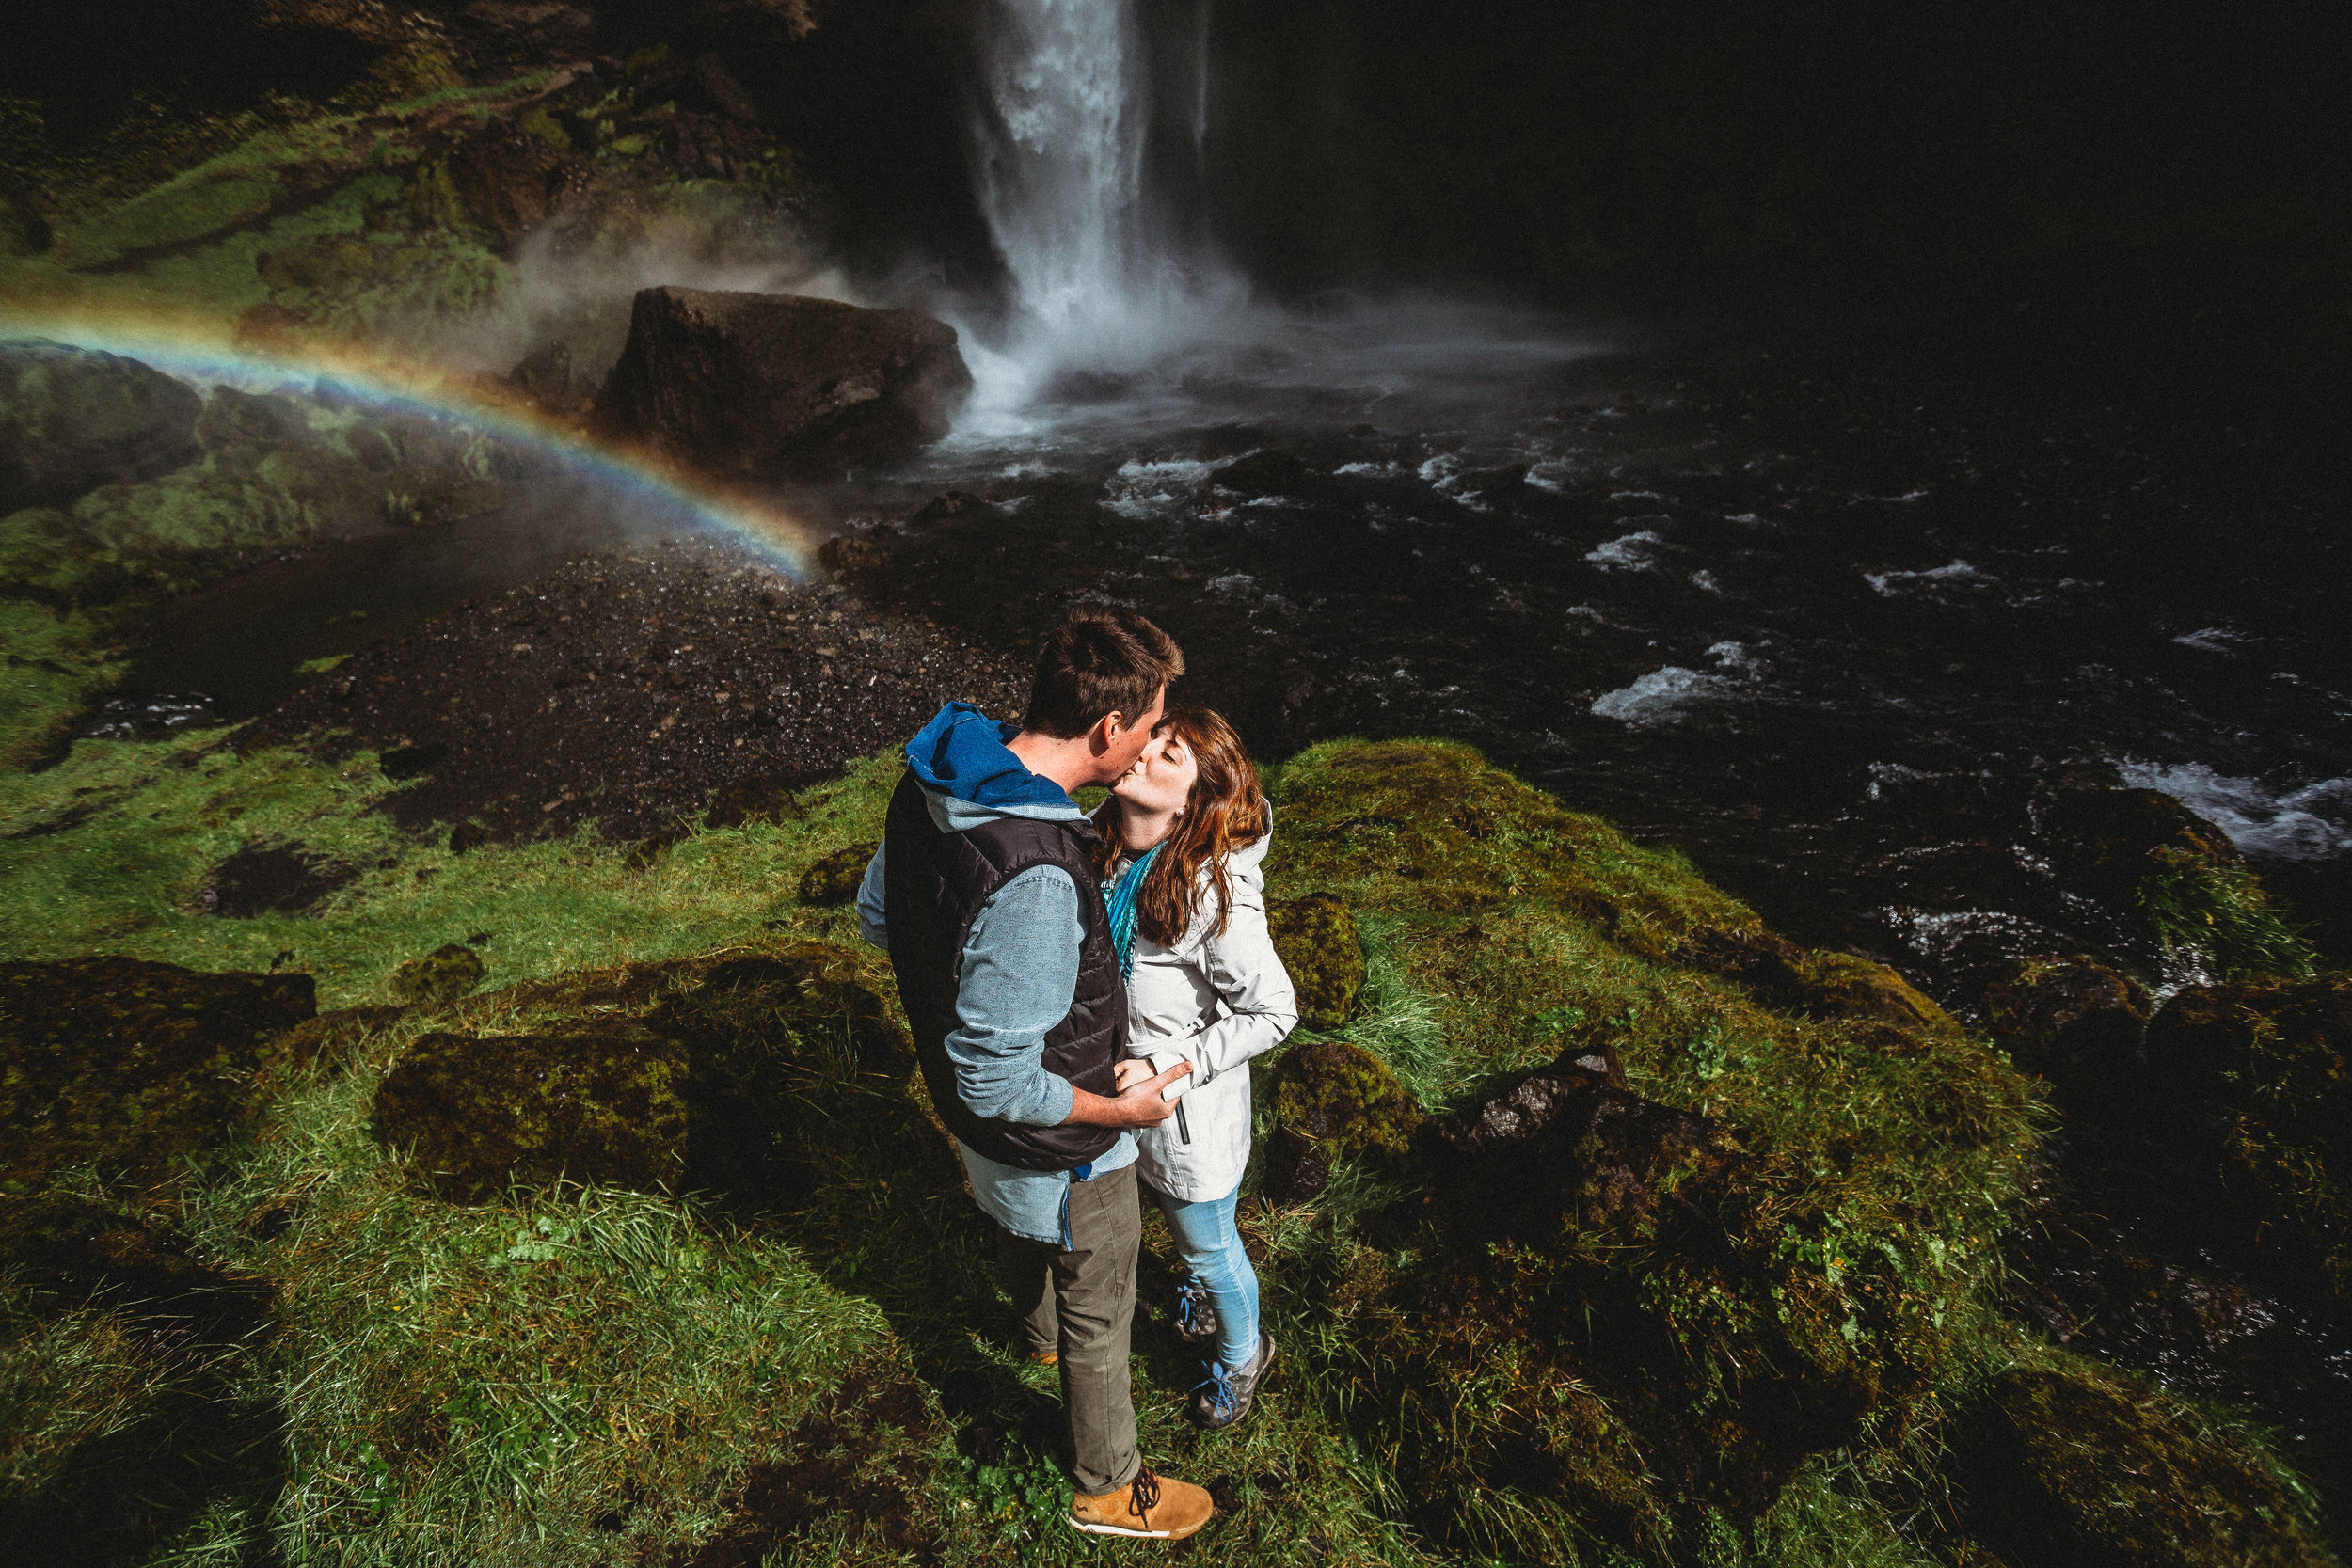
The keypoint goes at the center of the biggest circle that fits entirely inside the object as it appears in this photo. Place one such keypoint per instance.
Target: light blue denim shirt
(1020, 973)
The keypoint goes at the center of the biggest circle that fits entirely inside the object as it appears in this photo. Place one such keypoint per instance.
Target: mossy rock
(834, 879)
(444, 975)
(132, 1065)
(1332, 1101)
(1841, 985)
(2071, 1020)
(2068, 1468)
(2269, 1066)
(732, 1076)
(75, 419)
(1315, 937)
(476, 1114)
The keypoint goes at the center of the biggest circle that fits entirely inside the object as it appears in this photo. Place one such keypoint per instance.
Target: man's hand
(1138, 1103)
(1130, 1071)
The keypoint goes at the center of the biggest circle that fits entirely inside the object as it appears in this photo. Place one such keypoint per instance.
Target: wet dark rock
(2108, 839)
(726, 1078)
(834, 879)
(2067, 1469)
(2071, 1020)
(845, 554)
(276, 880)
(1271, 472)
(1332, 1101)
(1530, 1107)
(952, 506)
(755, 797)
(2256, 1082)
(72, 419)
(444, 975)
(762, 384)
(1315, 937)
(1495, 482)
(133, 1066)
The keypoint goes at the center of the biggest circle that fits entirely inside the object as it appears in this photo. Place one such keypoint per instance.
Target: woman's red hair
(1225, 812)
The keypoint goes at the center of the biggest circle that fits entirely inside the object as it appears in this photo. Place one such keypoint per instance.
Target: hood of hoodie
(969, 776)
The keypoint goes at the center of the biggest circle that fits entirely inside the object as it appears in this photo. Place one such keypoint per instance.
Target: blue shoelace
(1222, 1399)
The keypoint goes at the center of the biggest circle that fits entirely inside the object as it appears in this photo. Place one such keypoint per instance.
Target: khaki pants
(1082, 1304)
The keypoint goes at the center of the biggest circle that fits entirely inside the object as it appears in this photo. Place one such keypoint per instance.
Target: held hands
(1138, 1103)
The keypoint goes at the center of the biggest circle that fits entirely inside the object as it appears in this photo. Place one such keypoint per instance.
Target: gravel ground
(629, 687)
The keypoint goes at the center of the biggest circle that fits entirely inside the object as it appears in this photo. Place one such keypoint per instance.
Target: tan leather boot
(1158, 1508)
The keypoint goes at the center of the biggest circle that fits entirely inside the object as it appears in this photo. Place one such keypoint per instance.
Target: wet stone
(147, 715)
(2071, 1020)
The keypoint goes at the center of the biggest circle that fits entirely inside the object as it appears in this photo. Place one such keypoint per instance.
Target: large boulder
(132, 1065)
(75, 419)
(2065, 1468)
(731, 1078)
(2257, 1086)
(2071, 1020)
(744, 384)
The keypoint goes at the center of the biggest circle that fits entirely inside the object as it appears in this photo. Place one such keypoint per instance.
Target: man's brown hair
(1100, 661)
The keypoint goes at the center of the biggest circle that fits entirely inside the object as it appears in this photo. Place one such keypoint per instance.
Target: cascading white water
(1062, 184)
(1102, 279)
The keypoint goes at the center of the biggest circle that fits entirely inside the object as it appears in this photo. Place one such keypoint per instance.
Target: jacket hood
(961, 760)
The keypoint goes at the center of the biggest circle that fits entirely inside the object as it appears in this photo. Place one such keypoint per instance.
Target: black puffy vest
(934, 884)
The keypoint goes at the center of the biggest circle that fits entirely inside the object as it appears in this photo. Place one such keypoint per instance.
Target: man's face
(1119, 750)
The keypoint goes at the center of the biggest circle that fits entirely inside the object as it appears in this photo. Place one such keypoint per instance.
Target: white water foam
(1959, 574)
(2310, 823)
(1631, 552)
(1667, 696)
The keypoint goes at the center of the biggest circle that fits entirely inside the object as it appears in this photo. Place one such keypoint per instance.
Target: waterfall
(1062, 183)
(1102, 275)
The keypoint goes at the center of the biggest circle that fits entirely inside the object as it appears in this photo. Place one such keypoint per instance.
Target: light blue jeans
(1210, 1246)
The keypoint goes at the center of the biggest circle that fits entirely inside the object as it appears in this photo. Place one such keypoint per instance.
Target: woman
(1184, 834)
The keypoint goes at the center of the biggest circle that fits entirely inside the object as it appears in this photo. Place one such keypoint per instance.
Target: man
(985, 899)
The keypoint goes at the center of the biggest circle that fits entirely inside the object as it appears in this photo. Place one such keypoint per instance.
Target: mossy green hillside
(1795, 1276)
(559, 1374)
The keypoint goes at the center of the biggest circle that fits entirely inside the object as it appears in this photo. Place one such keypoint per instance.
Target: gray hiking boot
(1195, 1320)
(1222, 1398)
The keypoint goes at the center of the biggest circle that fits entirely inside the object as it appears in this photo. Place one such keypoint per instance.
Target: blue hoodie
(1020, 962)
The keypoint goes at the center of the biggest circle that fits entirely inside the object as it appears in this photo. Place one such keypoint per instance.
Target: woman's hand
(1130, 1071)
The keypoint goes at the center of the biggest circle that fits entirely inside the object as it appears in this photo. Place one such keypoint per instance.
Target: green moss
(2219, 916)
(1315, 938)
(2068, 1467)
(2272, 1059)
(444, 975)
(131, 1067)
(55, 663)
(833, 879)
(1334, 1101)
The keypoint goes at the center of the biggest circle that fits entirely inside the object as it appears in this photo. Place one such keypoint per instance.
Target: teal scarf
(1122, 908)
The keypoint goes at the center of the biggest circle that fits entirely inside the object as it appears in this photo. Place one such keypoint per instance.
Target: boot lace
(1222, 1397)
(1195, 1317)
(1143, 1494)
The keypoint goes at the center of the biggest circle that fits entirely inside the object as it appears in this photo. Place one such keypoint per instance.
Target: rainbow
(196, 349)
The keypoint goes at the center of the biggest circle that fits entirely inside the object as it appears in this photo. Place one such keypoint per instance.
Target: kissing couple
(1086, 993)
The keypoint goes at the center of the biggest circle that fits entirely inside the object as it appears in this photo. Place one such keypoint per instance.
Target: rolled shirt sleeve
(872, 923)
(1020, 974)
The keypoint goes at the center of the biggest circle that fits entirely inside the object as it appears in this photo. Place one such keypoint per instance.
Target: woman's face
(1162, 778)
